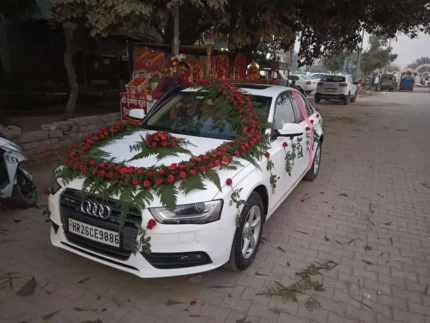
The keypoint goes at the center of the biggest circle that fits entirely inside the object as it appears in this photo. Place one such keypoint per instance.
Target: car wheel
(314, 170)
(354, 97)
(317, 98)
(345, 99)
(248, 235)
(24, 192)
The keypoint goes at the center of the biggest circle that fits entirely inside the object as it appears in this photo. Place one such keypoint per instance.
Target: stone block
(49, 127)
(82, 129)
(93, 120)
(81, 121)
(65, 126)
(55, 134)
(11, 132)
(33, 136)
(74, 129)
(94, 127)
(54, 140)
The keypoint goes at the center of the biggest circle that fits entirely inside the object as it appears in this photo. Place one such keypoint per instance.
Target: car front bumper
(331, 96)
(175, 249)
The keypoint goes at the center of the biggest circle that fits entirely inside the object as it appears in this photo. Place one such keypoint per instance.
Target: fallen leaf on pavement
(49, 316)
(280, 249)
(28, 288)
(171, 303)
(84, 280)
(343, 194)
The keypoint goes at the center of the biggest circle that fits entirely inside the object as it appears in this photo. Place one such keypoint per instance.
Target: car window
(293, 78)
(284, 111)
(333, 78)
(297, 102)
(196, 114)
(309, 108)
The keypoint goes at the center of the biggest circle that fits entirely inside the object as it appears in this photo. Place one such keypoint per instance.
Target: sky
(408, 50)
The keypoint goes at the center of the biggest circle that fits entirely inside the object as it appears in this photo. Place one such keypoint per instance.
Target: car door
(304, 142)
(353, 87)
(284, 150)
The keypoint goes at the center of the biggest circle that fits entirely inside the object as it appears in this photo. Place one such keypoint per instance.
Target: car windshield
(194, 114)
(293, 77)
(333, 78)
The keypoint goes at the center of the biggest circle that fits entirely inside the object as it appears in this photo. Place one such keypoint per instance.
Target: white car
(336, 87)
(317, 76)
(206, 228)
(305, 82)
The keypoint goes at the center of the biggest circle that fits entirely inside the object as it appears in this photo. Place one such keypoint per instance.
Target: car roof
(257, 89)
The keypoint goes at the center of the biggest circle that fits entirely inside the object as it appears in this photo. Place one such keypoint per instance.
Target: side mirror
(290, 129)
(136, 114)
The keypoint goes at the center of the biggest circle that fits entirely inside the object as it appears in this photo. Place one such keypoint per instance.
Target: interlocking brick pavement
(369, 211)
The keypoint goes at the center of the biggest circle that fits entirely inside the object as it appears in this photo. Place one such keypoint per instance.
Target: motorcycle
(15, 182)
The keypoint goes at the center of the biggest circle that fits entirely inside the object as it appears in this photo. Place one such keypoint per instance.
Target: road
(368, 212)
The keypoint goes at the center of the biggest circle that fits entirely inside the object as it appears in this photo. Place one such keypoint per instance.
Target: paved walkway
(369, 211)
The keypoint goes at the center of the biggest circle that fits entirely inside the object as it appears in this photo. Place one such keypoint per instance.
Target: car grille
(70, 207)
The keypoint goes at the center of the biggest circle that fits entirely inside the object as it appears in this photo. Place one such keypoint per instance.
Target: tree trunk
(69, 29)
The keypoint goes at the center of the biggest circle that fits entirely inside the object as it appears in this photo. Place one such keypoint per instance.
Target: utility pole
(386, 65)
(175, 47)
(358, 70)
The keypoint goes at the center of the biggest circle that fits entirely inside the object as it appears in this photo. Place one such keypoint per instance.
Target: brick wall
(46, 145)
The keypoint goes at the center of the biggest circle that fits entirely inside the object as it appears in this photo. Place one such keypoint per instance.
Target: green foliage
(235, 198)
(168, 195)
(376, 57)
(211, 175)
(335, 62)
(190, 183)
(142, 243)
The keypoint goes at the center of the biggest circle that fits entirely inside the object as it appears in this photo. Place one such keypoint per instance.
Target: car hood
(120, 151)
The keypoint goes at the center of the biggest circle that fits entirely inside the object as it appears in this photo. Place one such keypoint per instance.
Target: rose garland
(135, 186)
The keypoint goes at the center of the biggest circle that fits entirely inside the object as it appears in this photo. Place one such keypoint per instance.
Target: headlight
(55, 186)
(196, 213)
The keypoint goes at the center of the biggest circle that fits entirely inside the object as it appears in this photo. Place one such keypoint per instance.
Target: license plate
(330, 90)
(94, 233)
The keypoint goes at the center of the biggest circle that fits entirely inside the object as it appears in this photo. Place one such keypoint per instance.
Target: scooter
(15, 182)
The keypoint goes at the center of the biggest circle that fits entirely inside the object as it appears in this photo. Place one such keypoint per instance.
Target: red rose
(217, 162)
(284, 144)
(180, 166)
(164, 144)
(292, 137)
(193, 172)
(267, 154)
(110, 175)
(318, 116)
(170, 178)
(173, 143)
(150, 174)
(172, 167)
(154, 145)
(94, 172)
(237, 152)
(130, 170)
(135, 181)
(89, 142)
(140, 170)
(229, 181)
(225, 159)
(102, 165)
(92, 162)
(308, 128)
(183, 174)
(211, 165)
(47, 191)
(191, 164)
(317, 109)
(123, 170)
(117, 177)
(146, 183)
(151, 224)
(214, 155)
(312, 121)
(95, 138)
(242, 147)
(199, 159)
(203, 168)
(205, 157)
(158, 181)
(102, 173)
(161, 171)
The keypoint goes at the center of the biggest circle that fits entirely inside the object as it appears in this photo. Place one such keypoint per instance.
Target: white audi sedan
(209, 227)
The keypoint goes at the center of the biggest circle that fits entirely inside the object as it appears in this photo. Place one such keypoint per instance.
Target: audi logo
(96, 209)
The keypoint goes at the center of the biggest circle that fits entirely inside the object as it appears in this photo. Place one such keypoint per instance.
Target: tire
(313, 172)
(24, 191)
(317, 98)
(345, 99)
(238, 261)
(354, 98)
